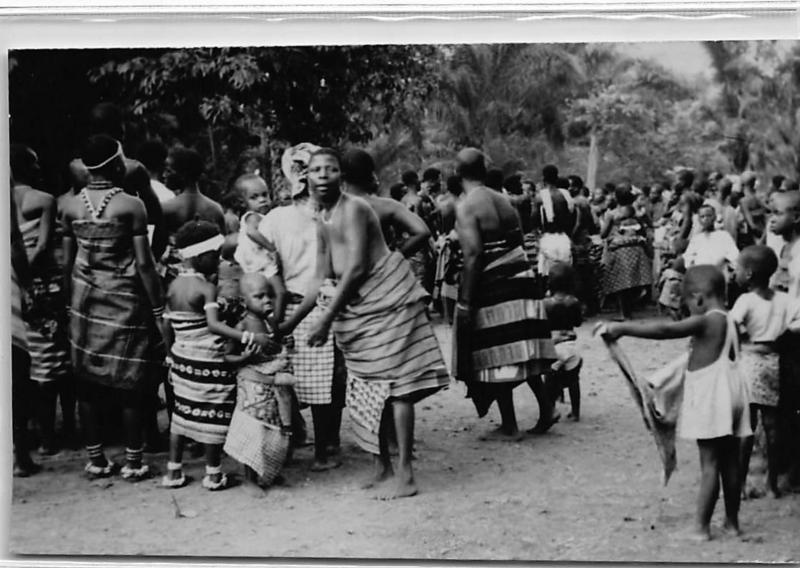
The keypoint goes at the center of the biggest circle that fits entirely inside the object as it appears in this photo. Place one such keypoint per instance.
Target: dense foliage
(414, 106)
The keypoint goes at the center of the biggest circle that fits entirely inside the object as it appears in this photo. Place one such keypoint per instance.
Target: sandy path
(585, 491)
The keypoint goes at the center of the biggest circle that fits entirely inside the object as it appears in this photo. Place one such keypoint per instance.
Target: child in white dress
(254, 253)
(715, 409)
(763, 315)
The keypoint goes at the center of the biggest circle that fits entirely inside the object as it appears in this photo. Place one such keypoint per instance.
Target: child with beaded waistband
(259, 432)
(202, 379)
(715, 408)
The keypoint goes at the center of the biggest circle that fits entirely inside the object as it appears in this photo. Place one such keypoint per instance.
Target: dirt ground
(587, 491)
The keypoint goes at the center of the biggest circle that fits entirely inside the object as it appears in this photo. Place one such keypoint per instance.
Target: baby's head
(703, 288)
(254, 192)
(561, 279)
(755, 266)
(198, 243)
(255, 290)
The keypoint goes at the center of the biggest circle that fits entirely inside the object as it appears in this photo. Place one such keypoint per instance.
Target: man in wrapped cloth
(319, 370)
(554, 209)
(376, 309)
(501, 334)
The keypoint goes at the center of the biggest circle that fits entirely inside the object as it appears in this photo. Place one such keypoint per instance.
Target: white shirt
(163, 193)
(293, 231)
(766, 320)
(716, 247)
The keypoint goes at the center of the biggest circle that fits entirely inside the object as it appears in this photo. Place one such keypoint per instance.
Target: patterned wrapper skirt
(509, 340)
(258, 436)
(626, 267)
(46, 325)
(388, 345)
(203, 384)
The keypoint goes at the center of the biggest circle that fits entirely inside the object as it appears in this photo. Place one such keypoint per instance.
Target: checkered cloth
(313, 366)
(258, 445)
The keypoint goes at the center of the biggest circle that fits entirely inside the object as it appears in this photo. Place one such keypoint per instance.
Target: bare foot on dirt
(325, 466)
(499, 434)
(543, 425)
(397, 489)
(696, 534)
(731, 528)
(377, 478)
(574, 417)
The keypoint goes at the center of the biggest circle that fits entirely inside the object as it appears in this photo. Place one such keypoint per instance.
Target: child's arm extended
(688, 327)
(251, 222)
(235, 354)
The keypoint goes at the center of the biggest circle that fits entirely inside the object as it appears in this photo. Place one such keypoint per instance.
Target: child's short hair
(707, 206)
(561, 278)
(705, 279)
(193, 232)
(761, 260)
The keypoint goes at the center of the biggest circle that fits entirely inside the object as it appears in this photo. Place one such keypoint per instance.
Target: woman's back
(103, 233)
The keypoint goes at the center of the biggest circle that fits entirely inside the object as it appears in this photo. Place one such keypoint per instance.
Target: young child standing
(259, 432)
(715, 409)
(201, 374)
(784, 221)
(564, 315)
(711, 245)
(254, 252)
(763, 315)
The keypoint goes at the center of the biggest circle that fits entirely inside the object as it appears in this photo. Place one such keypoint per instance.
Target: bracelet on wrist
(158, 312)
(463, 306)
(247, 337)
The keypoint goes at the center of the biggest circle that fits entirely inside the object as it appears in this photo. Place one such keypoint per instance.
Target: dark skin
(35, 204)
(395, 218)
(350, 242)
(131, 212)
(188, 293)
(135, 182)
(719, 457)
(759, 284)
(483, 215)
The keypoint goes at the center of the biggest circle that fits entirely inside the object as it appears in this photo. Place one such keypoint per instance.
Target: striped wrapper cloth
(112, 334)
(203, 384)
(388, 344)
(509, 338)
(313, 366)
(44, 312)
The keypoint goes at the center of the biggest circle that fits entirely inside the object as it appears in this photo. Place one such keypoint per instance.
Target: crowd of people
(134, 286)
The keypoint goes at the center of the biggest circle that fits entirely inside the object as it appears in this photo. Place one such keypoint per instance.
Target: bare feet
(378, 477)
(403, 486)
(696, 534)
(574, 417)
(543, 425)
(325, 465)
(501, 434)
(732, 528)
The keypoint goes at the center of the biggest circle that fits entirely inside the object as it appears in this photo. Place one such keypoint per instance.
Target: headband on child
(214, 243)
(115, 155)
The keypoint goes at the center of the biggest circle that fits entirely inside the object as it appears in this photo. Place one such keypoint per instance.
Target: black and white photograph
(421, 302)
